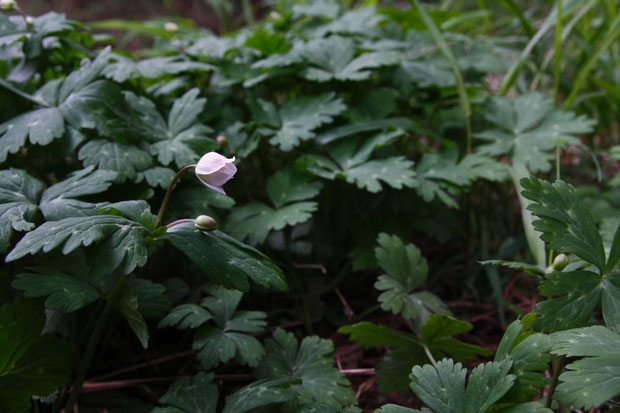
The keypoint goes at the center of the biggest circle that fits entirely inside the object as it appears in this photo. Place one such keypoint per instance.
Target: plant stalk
(558, 365)
(160, 214)
(92, 343)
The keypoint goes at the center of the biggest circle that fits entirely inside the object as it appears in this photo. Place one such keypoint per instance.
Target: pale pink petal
(215, 188)
(210, 163)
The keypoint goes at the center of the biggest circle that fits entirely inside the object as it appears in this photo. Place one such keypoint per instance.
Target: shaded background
(216, 15)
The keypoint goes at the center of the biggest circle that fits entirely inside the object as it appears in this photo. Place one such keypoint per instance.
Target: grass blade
(460, 84)
(608, 39)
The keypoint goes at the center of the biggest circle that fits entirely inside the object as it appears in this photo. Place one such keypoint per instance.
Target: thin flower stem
(160, 214)
(179, 221)
(92, 343)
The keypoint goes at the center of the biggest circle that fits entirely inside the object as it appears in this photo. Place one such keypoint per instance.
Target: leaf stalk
(94, 340)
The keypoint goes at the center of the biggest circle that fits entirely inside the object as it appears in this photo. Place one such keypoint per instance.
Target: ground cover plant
(342, 207)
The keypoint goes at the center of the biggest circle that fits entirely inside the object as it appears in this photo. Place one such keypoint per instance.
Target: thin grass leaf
(608, 39)
(460, 83)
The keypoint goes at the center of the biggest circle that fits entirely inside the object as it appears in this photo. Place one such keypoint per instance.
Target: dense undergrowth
(398, 185)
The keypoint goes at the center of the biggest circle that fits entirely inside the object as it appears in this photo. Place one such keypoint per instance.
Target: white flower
(7, 5)
(171, 27)
(214, 170)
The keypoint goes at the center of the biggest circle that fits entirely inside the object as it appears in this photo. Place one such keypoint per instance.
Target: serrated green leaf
(40, 127)
(487, 383)
(367, 334)
(260, 393)
(30, 363)
(528, 128)
(227, 260)
(579, 296)
(254, 221)
(152, 302)
(529, 352)
(123, 243)
(186, 316)
(59, 200)
(443, 390)
(403, 262)
(352, 164)
(393, 408)
(395, 172)
(227, 340)
(407, 271)
(19, 195)
(182, 139)
(69, 284)
(333, 59)
(595, 379)
(129, 306)
(196, 394)
(297, 119)
(126, 160)
(437, 334)
(312, 362)
(395, 366)
(317, 8)
(530, 407)
(363, 21)
(436, 172)
(564, 220)
(529, 268)
(267, 42)
(157, 176)
(123, 68)
(289, 186)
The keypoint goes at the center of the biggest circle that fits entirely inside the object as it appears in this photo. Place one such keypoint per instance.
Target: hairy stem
(92, 343)
(160, 214)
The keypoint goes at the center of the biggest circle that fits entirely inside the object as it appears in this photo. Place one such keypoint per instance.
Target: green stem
(558, 55)
(160, 214)
(92, 343)
(558, 365)
(430, 356)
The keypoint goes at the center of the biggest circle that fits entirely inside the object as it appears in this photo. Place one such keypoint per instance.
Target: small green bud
(560, 262)
(7, 6)
(205, 223)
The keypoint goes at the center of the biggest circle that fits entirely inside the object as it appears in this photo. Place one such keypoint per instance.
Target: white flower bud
(171, 27)
(7, 6)
(214, 170)
(275, 15)
(560, 262)
(29, 22)
(205, 223)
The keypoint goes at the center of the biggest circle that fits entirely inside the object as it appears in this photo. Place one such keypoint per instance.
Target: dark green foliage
(378, 149)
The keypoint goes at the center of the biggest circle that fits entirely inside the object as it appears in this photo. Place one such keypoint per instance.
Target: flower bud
(560, 262)
(29, 22)
(205, 223)
(221, 140)
(7, 6)
(171, 27)
(214, 170)
(275, 15)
